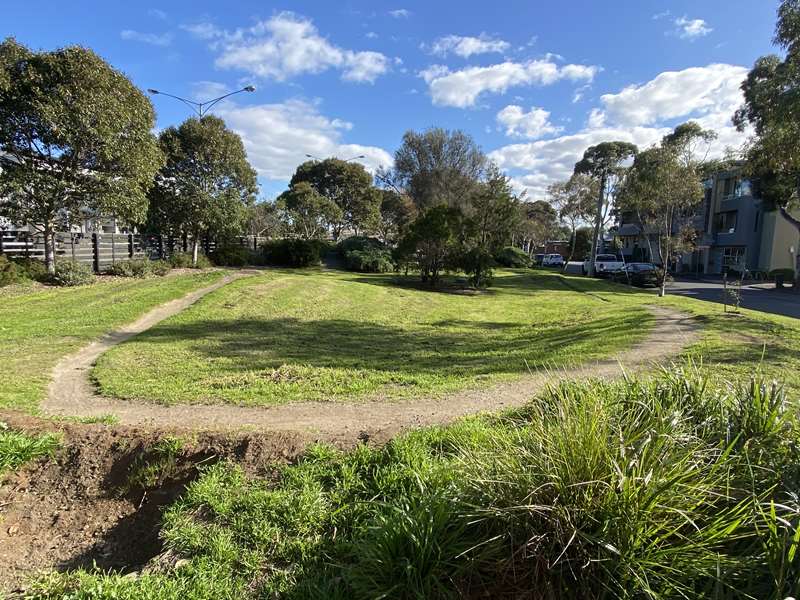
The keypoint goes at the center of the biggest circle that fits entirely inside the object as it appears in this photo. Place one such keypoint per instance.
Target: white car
(553, 260)
(604, 265)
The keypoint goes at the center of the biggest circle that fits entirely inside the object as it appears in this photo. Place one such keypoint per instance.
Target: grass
(39, 326)
(18, 448)
(322, 335)
(672, 487)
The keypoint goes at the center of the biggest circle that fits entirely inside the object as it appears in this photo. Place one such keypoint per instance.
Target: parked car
(640, 274)
(604, 265)
(538, 259)
(553, 260)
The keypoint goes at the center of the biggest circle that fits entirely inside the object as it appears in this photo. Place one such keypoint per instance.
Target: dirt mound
(100, 500)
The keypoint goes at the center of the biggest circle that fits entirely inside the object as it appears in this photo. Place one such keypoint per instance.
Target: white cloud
(641, 114)
(704, 90)
(463, 88)
(278, 136)
(371, 35)
(154, 39)
(466, 46)
(157, 14)
(532, 125)
(690, 29)
(285, 46)
(400, 13)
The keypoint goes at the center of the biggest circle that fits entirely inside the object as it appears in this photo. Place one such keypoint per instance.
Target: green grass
(321, 335)
(18, 448)
(664, 488)
(39, 326)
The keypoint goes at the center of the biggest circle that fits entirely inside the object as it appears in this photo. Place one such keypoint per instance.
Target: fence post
(130, 245)
(96, 252)
(255, 243)
(113, 248)
(160, 247)
(2, 238)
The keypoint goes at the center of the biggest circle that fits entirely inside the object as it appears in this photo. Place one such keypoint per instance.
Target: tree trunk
(598, 218)
(195, 248)
(49, 248)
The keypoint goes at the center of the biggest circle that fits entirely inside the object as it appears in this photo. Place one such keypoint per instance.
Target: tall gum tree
(75, 141)
(772, 108)
(605, 163)
(207, 185)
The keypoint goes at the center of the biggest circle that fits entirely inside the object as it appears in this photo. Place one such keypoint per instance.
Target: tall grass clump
(668, 487)
(18, 448)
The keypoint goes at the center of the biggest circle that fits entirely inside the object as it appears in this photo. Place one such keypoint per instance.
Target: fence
(102, 250)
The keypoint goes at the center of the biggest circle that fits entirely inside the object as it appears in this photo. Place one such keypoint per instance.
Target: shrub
(9, 273)
(136, 267)
(292, 252)
(160, 268)
(232, 256)
(183, 260)
(513, 257)
(787, 275)
(71, 273)
(370, 260)
(478, 264)
(31, 268)
(359, 243)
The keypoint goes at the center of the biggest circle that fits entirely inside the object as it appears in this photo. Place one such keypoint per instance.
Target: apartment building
(735, 230)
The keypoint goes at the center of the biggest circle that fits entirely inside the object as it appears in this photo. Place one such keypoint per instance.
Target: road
(763, 297)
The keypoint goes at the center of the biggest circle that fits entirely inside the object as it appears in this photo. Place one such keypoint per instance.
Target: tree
(663, 189)
(604, 164)
(434, 240)
(494, 211)
(437, 166)
(264, 219)
(574, 201)
(771, 106)
(349, 186)
(397, 211)
(538, 224)
(206, 185)
(75, 138)
(308, 213)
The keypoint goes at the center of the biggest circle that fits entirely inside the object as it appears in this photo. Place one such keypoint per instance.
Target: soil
(79, 509)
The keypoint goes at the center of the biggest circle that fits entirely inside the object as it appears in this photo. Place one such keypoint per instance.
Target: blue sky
(535, 82)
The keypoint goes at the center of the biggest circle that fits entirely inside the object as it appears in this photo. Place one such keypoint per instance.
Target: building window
(733, 257)
(725, 222)
(729, 187)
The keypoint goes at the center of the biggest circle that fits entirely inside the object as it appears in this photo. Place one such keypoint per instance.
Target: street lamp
(201, 108)
(343, 160)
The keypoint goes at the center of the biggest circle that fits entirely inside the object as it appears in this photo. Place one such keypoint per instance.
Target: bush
(293, 252)
(31, 268)
(359, 243)
(232, 256)
(478, 264)
(785, 275)
(160, 268)
(183, 260)
(9, 273)
(513, 257)
(136, 267)
(370, 260)
(71, 273)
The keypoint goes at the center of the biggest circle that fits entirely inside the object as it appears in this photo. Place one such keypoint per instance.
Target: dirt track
(71, 393)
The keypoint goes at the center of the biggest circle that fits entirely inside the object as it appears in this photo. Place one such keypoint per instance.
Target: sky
(534, 82)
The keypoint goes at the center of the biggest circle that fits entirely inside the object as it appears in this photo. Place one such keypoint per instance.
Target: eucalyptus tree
(307, 213)
(605, 163)
(206, 185)
(75, 140)
(574, 201)
(771, 107)
(349, 186)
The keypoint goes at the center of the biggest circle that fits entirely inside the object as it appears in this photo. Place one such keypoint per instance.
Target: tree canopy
(349, 186)
(308, 213)
(206, 185)
(75, 140)
(438, 166)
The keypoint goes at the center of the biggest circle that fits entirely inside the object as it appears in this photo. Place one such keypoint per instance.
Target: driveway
(763, 297)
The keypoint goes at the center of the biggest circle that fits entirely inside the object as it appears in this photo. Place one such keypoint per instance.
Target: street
(763, 296)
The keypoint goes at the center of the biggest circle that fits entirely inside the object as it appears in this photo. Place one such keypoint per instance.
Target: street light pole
(201, 108)
(343, 160)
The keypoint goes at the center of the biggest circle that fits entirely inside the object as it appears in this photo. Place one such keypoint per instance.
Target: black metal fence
(102, 250)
